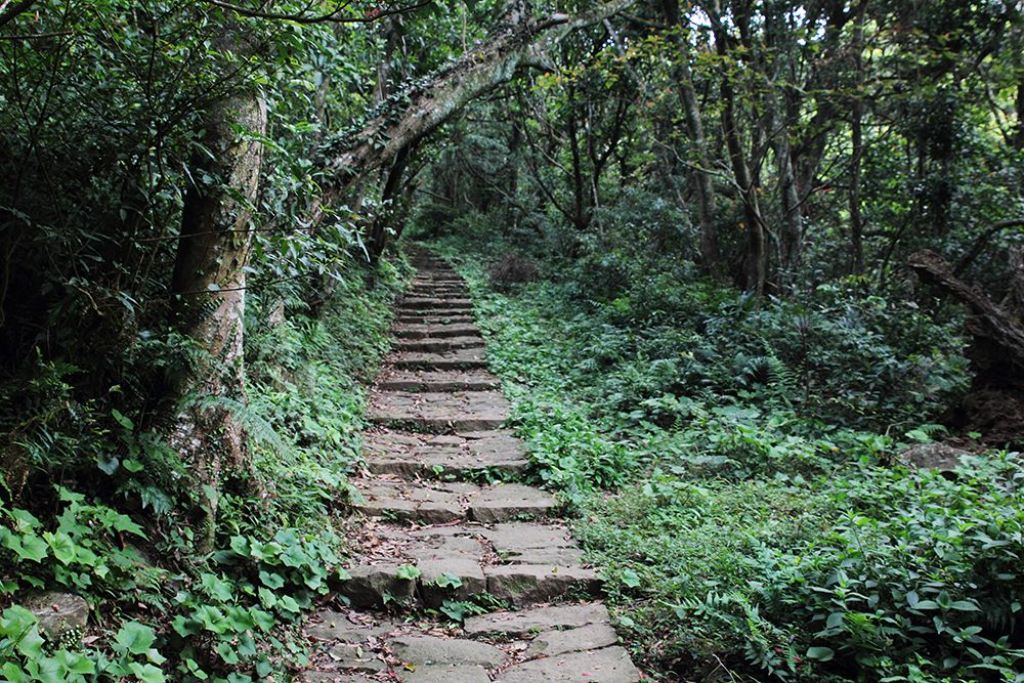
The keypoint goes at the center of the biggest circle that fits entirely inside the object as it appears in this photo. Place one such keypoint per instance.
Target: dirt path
(434, 532)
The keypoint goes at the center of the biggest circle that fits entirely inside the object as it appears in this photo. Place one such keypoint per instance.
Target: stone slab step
(463, 456)
(455, 563)
(439, 344)
(434, 302)
(438, 502)
(460, 359)
(357, 647)
(437, 380)
(435, 331)
(446, 319)
(438, 411)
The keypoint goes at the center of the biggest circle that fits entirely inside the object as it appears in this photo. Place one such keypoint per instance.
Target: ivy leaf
(134, 638)
(62, 546)
(147, 673)
(408, 572)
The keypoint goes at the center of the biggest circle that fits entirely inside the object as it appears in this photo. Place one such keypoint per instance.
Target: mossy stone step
(436, 331)
(439, 344)
(476, 379)
(459, 359)
(462, 456)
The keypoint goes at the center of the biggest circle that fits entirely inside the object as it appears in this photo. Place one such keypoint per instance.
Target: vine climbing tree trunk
(209, 285)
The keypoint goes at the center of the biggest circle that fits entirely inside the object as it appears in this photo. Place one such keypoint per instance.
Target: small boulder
(58, 613)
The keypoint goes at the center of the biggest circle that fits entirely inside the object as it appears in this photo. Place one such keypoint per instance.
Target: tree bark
(209, 282)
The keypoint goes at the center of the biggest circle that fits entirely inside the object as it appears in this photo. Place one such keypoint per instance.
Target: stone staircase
(443, 523)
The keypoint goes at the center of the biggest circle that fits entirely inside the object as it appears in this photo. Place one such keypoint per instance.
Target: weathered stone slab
(446, 673)
(433, 302)
(58, 613)
(356, 658)
(411, 455)
(429, 411)
(436, 331)
(437, 575)
(533, 543)
(503, 502)
(438, 380)
(608, 665)
(331, 677)
(589, 637)
(438, 503)
(434, 319)
(524, 584)
(431, 650)
(538, 619)
(368, 584)
(336, 626)
(439, 344)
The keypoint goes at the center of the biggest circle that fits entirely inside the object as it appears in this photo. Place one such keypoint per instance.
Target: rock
(939, 456)
(331, 625)
(331, 677)
(438, 380)
(431, 650)
(355, 658)
(446, 674)
(431, 412)
(589, 637)
(438, 503)
(529, 583)
(467, 571)
(502, 502)
(537, 620)
(432, 455)
(436, 331)
(608, 665)
(369, 583)
(58, 613)
(451, 360)
(439, 344)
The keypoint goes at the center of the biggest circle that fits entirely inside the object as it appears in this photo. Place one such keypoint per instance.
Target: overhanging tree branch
(421, 109)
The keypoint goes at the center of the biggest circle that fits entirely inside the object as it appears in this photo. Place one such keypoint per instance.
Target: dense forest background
(741, 260)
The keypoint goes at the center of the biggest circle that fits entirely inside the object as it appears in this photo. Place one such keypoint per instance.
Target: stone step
(564, 644)
(440, 344)
(419, 303)
(460, 359)
(456, 562)
(409, 331)
(445, 319)
(437, 380)
(437, 502)
(439, 411)
(466, 455)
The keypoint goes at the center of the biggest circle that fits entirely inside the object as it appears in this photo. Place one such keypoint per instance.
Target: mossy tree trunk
(209, 284)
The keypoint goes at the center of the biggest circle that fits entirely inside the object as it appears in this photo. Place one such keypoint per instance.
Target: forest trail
(444, 525)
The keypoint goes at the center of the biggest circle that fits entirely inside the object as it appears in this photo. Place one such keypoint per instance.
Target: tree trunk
(755, 266)
(694, 123)
(209, 284)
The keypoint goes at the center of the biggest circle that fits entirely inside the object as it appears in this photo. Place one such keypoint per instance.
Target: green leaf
(147, 673)
(821, 654)
(408, 572)
(62, 546)
(122, 420)
(448, 581)
(134, 638)
(630, 578)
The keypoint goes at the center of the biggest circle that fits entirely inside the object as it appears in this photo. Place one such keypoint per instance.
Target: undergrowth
(158, 611)
(759, 528)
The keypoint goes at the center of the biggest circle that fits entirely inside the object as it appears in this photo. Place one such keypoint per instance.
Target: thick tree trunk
(209, 283)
